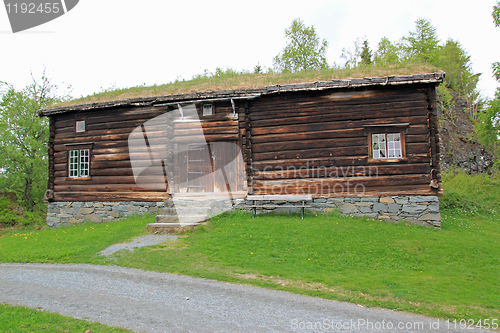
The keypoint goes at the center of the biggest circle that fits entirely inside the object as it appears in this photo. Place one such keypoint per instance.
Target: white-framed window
(386, 142)
(386, 146)
(79, 163)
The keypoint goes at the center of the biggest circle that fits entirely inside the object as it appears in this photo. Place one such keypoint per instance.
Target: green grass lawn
(449, 273)
(21, 319)
(76, 244)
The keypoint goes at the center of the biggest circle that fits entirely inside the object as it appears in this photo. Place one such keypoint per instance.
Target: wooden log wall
(315, 142)
(434, 150)
(111, 176)
(221, 126)
(107, 134)
(308, 142)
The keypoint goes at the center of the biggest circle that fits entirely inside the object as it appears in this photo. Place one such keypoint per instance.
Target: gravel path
(161, 302)
(140, 241)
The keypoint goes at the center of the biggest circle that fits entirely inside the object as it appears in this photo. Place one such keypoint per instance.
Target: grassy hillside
(229, 79)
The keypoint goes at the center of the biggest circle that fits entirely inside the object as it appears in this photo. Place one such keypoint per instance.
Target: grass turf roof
(233, 80)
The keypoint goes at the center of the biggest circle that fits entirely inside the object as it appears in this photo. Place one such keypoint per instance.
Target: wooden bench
(294, 198)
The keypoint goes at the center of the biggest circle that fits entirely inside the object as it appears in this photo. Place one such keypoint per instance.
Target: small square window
(80, 126)
(208, 110)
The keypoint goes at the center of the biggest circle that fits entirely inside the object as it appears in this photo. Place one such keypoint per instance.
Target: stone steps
(170, 225)
(162, 221)
(191, 209)
(183, 210)
(182, 213)
(184, 219)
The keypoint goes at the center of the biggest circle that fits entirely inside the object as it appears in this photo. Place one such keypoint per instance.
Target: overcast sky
(123, 43)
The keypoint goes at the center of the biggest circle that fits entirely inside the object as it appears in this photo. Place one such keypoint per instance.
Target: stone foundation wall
(67, 213)
(423, 210)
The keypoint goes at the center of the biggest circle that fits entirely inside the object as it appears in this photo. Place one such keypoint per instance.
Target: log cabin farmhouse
(365, 146)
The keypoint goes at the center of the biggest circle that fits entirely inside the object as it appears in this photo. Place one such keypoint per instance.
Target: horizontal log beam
(115, 179)
(312, 153)
(320, 126)
(342, 172)
(335, 113)
(109, 188)
(368, 192)
(309, 144)
(111, 196)
(353, 181)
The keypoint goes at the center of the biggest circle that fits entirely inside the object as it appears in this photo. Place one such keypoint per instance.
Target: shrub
(472, 194)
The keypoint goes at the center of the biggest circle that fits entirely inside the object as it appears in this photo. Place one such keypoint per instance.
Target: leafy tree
(421, 44)
(387, 53)
(258, 69)
(304, 50)
(488, 126)
(456, 63)
(496, 19)
(496, 70)
(459, 75)
(352, 56)
(496, 14)
(366, 54)
(23, 139)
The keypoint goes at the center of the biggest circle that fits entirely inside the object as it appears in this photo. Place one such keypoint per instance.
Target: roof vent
(208, 110)
(80, 126)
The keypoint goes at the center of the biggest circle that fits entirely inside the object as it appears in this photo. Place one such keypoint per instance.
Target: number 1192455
(32, 8)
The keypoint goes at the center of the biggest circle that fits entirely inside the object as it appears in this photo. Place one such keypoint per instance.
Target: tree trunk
(28, 199)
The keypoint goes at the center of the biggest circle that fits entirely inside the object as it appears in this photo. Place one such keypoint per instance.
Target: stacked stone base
(67, 213)
(423, 210)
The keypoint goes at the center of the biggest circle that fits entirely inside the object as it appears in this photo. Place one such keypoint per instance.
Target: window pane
(394, 145)
(84, 162)
(393, 137)
(73, 163)
(378, 146)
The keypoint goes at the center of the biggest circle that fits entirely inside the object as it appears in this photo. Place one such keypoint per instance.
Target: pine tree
(421, 44)
(366, 54)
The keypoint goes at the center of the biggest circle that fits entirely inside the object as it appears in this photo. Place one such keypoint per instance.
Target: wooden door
(228, 166)
(211, 167)
(199, 168)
